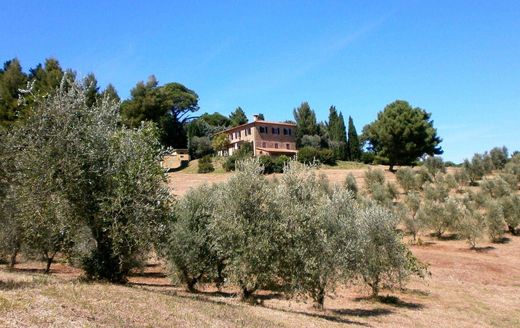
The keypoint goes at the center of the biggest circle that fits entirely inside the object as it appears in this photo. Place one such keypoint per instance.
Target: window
(263, 144)
(276, 145)
(288, 146)
(275, 130)
(286, 131)
(263, 129)
(289, 131)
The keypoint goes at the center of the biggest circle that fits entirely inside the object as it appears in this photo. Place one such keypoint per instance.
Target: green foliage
(511, 211)
(280, 162)
(495, 187)
(205, 165)
(267, 163)
(470, 224)
(95, 174)
(305, 122)
(320, 234)
(495, 220)
(200, 147)
(245, 227)
(190, 244)
(309, 155)
(354, 150)
(11, 80)
(412, 204)
(245, 151)
(168, 106)
(313, 141)
(337, 134)
(351, 184)
(238, 117)
(477, 167)
(406, 178)
(434, 165)
(499, 156)
(385, 261)
(401, 134)
(220, 142)
(440, 216)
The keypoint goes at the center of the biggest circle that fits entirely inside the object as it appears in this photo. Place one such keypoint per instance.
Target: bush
(245, 151)
(200, 147)
(412, 204)
(434, 165)
(511, 211)
(246, 228)
(189, 248)
(205, 165)
(267, 163)
(326, 156)
(368, 157)
(499, 156)
(320, 234)
(313, 141)
(280, 162)
(406, 179)
(351, 184)
(308, 155)
(495, 188)
(98, 175)
(384, 260)
(495, 220)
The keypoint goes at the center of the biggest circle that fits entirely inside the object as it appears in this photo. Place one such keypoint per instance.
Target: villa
(268, 138)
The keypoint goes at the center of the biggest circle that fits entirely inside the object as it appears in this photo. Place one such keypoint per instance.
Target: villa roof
(258, 122)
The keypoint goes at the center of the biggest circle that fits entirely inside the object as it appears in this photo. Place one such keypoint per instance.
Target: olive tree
(407, 180)
(245, 228)
(320, 234)
(511, 212)
(95, 174)
(412, 223)
(189, 249)
(384, 260)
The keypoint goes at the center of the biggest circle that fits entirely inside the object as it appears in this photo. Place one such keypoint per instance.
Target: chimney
(255, 117)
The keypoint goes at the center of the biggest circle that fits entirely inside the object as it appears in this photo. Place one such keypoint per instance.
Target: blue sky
(459, 60)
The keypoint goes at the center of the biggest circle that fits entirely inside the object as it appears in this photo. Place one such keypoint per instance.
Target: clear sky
(459, 60)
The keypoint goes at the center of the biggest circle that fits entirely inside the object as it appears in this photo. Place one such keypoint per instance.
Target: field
(467, 288)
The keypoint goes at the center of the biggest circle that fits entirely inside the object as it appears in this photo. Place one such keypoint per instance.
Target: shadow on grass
(208, 297)
(392, 301)
(446, 237)
(13, 285)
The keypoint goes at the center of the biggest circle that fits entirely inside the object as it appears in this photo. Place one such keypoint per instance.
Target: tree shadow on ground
(503, 240)
(208, 297)
(484, 249)
(13, 285)
(392, 301)
(446, 237)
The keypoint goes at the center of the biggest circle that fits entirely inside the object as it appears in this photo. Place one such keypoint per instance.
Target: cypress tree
(353, 144)
(337, 133)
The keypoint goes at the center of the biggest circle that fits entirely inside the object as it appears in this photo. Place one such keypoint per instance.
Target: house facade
(267, 138)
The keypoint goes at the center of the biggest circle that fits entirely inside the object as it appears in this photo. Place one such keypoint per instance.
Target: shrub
(374, 177)
(313, 141)
(423, 176)
(351, 184)
(495, 220)
(439, 216)
(200, 147)
(105, 177)
(326, 156)
(246, 228)
(368, 157)
(319, 233)
(406, 179)
(384, 260)
(205, 165)
(245, 151)
(462, 178)
(499, 156)
(511, 211)
(267, 163)
(189, 248)
(434, 165)
(280, 162)
(412, 204)
(495, 188)
(308, 155)
(470, 224)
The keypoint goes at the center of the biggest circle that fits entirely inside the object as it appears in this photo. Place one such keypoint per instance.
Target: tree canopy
(401, 134)
(168, 106)
(238, 117)
(305, 121)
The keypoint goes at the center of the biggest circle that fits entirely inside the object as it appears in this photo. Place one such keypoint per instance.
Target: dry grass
(467, 288)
